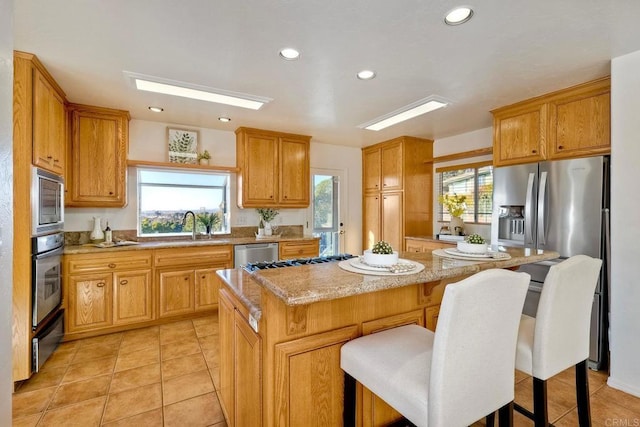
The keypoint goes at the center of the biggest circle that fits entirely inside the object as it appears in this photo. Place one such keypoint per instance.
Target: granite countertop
(307, 284)
(160, 244)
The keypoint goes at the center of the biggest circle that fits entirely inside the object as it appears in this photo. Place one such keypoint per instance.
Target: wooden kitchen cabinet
(273, 169)
(241, 350)
(106, 290)
(573, 122)
(299, 249)
(420, 245)
(97, 157)
(49, 124)
(186, 278)
(90, 302)
(397, 182)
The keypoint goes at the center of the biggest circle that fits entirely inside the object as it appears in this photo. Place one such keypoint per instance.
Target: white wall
(147, 141)
(625, 227)
(6, 210)
(481, 138)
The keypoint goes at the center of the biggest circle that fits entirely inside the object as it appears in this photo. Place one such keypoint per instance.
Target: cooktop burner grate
(255, 266)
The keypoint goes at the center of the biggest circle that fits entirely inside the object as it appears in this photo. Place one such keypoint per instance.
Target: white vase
(456, 226)
(268, 231)
(96, 234)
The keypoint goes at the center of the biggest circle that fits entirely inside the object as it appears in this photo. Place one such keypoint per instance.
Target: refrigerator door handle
(542, 195)
(528, 210)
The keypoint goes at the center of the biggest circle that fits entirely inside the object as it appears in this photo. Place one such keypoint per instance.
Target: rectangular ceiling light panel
(418, 108)
(202, 93)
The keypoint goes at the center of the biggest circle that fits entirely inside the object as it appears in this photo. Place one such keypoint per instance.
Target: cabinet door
(98, 157)
(206, 288)
(294, 173)
(226, 328)
(49, 126)
(580, 126)
(392, 231)
(132, 297)
(248, 374)
(371, 169)
(413, 245)
(431, 317)
(392, 167)
(90, 302)
(260, 171)
(519, 135)
(176, 292)
(371, 229)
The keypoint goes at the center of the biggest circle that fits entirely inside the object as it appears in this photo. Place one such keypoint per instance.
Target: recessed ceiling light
(289, 54)
(366, 74)
(224, 119)
(156, 109)
(420, 107)
(202, 93)
(458, 16)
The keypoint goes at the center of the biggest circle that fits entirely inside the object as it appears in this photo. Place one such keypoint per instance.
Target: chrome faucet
(184, 222)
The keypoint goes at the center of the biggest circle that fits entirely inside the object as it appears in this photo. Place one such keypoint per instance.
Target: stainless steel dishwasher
(254, 252)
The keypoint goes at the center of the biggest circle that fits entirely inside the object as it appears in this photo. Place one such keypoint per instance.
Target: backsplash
(73, 238)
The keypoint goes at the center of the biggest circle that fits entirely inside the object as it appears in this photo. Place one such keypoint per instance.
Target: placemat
(346, 265)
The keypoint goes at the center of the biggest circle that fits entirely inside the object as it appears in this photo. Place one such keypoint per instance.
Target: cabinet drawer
(192, 256)
(288, 250)
(92, 263)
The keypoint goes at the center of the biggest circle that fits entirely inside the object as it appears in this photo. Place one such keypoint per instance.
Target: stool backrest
(563, 319)
(473, 363)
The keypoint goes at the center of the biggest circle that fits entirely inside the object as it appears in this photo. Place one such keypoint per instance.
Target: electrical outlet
(241, 220)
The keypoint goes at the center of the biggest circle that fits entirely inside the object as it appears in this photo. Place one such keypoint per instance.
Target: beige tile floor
(168, 375)
(162, 375)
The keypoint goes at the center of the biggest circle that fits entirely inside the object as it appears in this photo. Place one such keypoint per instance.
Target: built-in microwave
(47, 202)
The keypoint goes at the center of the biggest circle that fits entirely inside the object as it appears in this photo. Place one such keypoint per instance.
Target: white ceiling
(509, 51)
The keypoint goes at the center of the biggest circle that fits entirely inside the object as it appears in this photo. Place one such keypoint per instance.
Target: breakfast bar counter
(281, 331)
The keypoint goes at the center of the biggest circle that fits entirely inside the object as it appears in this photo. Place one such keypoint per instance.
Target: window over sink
(472, 180)
(164, 196)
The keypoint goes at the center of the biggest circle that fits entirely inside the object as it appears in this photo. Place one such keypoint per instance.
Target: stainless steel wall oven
(47, 202)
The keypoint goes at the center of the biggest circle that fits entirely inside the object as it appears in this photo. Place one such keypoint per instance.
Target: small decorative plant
(455, 204)
(382, 247)
(267, 214)
(475, 239)
(211, 221)
(204, 155)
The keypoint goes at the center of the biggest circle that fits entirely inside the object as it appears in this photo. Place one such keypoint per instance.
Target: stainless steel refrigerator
(561, 206)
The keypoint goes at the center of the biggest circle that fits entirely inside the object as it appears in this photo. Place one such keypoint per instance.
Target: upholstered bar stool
(558, 337)
(455, 376)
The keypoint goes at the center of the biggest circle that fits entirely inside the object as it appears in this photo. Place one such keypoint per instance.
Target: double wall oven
(47, 210)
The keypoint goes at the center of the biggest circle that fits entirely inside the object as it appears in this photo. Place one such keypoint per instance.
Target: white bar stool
(455, 376)
(558, 337)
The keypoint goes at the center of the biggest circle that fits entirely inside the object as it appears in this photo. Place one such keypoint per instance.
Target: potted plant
(266, 216)
(211, 221)
(381, 255)
(456, 205)
(204, 157)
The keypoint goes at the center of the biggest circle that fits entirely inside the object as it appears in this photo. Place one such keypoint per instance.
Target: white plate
(357, 263)
(466, 254)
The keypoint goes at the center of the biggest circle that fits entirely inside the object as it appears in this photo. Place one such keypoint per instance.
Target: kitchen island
(281, 331)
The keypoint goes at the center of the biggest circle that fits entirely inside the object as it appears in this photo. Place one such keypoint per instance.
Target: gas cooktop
(255, 266)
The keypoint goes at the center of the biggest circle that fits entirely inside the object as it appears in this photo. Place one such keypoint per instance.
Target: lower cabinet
(241, 355)
(420, 245)
(111, 290)
(299, 249)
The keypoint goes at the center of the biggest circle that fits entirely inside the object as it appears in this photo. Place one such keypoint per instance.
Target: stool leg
(505, 415)
(349, 410)
(540, 410)
(582, 392)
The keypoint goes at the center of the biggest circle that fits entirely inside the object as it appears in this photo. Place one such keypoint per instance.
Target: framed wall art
(182, 145)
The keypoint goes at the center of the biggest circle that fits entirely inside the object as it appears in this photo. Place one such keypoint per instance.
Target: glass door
(324, 213)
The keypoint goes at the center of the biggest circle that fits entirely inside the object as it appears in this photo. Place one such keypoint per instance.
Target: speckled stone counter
(90, 248)
(321, 282)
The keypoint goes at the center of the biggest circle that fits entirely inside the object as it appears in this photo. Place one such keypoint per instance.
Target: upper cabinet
(273, 169)
(96, 171)
(573, 122)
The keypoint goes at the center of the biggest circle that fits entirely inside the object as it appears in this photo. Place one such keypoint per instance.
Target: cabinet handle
(55, 160)
(186, 278)
(49, 157)
(384, 185)
(271, 197)
(534, 151)
(100, 284)
(385, 197)
(560, 147)
(286, 197)
(203, 277)
(111, 265)
(124, 282)
(111, 193)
